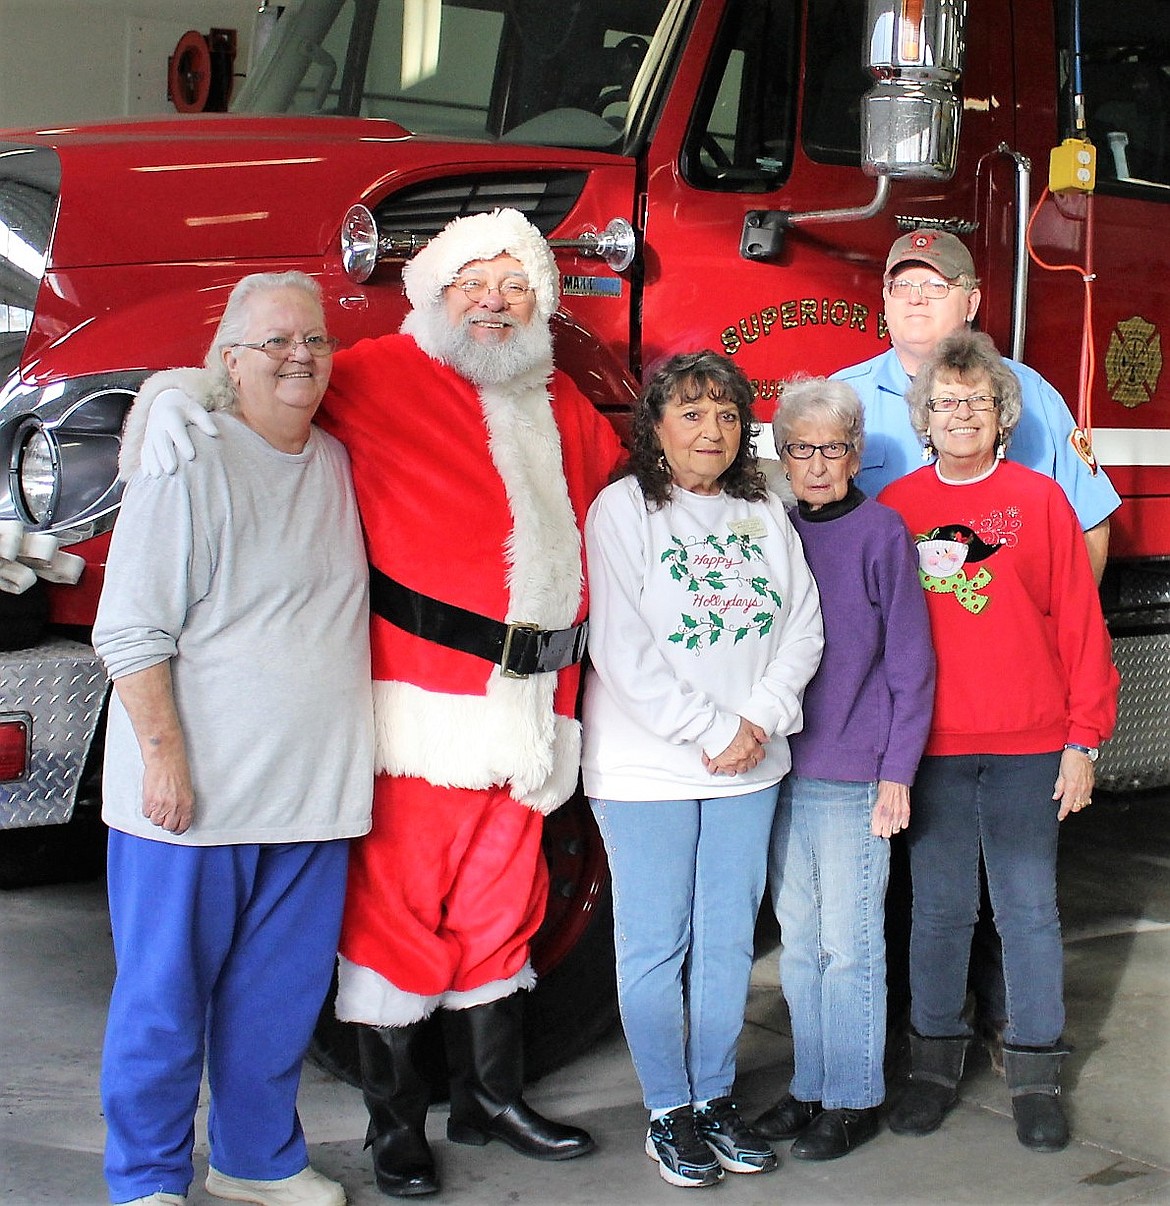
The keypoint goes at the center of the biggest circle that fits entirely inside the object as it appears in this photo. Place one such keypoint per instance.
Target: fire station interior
(138, 57)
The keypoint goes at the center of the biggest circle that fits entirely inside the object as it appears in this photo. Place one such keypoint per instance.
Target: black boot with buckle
(936, 1067)
(1033, 1076)
(485, 1060)
(397, 1096)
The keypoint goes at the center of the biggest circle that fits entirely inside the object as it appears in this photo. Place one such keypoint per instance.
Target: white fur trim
(199, 384)
(483, 237)
(544, 556)
(495, 990)
(365, 996)
(508, 736)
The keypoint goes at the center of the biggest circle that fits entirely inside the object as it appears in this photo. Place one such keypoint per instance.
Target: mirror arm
(764, 229)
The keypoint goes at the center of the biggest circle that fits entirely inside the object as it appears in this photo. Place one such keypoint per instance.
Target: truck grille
(544, 198)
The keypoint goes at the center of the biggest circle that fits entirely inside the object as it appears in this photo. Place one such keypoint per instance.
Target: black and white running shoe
(683, 1158)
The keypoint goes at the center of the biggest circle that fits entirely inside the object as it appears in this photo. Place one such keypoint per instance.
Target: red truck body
(718, 111)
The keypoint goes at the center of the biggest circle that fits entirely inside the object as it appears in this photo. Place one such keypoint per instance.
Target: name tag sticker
(752, 528)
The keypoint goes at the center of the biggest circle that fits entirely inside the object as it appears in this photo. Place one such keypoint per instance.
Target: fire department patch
(1083, 448)
(1133, 361)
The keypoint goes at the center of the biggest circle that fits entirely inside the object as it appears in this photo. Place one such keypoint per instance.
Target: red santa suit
(475, 496)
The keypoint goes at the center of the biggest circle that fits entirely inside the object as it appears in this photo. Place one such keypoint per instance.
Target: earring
(663, 467)
(1000, 450)
(928, 451)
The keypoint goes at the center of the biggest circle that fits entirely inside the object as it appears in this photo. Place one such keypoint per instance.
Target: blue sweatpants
(223, 951)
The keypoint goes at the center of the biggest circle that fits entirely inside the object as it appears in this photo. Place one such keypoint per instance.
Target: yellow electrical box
(1072, 167)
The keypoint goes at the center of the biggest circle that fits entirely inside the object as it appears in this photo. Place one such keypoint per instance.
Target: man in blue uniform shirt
(931, 291)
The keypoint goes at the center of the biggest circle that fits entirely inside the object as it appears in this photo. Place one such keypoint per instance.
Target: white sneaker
(158, 1199)
(307, 1188)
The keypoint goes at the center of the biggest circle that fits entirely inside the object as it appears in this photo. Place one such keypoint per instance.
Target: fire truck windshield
(580, 73)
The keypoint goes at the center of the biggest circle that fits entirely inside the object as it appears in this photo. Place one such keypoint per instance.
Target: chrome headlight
(59, 445)
(36, 473)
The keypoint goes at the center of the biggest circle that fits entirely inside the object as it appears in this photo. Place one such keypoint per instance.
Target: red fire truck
(713, 173)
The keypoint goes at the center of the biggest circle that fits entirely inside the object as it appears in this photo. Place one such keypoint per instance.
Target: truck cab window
(1126, 79)
(741, 134)
(834, 82)
(469, 69)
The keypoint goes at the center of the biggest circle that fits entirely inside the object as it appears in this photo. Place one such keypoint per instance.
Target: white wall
(63, 61)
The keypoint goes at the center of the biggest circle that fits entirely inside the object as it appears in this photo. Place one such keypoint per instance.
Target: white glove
(166, 438)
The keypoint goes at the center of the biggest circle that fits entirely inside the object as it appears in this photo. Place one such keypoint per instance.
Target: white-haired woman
(1026, 693)
(866, 716)
(234, 624)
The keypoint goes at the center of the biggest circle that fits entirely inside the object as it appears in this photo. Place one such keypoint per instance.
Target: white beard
(527, 349)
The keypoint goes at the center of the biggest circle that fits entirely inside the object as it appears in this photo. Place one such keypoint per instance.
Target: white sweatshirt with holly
(701, 611)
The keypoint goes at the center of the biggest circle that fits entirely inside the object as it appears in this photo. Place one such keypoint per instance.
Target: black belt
(518, 649)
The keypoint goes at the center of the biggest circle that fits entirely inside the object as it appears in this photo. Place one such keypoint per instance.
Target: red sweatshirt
(1024, 658)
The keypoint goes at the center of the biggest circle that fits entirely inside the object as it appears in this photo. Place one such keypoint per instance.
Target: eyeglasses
(831, 452)
(512, 292)
(934, 289)
(279, 347)
(975, 402)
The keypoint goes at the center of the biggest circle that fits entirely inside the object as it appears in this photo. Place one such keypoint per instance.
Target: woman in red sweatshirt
(1026, 692)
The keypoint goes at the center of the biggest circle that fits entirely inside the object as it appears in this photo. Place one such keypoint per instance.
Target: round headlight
(359, 243)
(36, 473)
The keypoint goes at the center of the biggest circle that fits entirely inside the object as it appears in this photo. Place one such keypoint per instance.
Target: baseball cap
(941, 250)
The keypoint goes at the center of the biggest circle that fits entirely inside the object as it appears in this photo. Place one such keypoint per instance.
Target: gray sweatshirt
(246, 570)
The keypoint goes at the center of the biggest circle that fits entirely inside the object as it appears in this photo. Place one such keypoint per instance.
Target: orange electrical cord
(1088, 359)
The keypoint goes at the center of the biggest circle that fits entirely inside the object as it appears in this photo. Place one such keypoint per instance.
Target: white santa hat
(483, 237)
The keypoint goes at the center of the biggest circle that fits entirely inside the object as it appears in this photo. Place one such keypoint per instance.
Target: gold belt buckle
(505, 654)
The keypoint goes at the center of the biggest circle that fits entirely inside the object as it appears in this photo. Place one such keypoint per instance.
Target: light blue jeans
(688, 878)
(829, 876)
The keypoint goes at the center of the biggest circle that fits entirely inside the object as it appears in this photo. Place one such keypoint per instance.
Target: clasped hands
(745, 752)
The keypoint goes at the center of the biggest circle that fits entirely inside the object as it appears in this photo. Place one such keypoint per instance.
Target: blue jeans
(688, 878)
(829, 876)
(1003, 805)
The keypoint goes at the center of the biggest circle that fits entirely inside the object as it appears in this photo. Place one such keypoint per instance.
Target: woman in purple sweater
(866, 718)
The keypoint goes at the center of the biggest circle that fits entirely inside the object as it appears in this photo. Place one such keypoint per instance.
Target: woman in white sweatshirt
(705, 627)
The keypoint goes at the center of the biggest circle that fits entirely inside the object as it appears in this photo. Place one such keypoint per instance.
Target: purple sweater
(867, 710)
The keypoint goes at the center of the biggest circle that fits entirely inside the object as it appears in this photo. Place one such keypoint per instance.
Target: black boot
(936, 1067)
(1033, 1076)
(397, 1096)
(485, 1060)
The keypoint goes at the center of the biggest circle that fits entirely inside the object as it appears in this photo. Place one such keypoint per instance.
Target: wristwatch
(1090, 752)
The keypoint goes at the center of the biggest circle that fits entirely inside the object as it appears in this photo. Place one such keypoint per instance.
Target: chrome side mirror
(910, 117)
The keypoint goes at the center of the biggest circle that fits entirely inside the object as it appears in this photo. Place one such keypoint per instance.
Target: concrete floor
(56, 969)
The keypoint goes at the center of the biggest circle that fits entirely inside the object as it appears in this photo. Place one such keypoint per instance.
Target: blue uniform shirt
(1040, 441)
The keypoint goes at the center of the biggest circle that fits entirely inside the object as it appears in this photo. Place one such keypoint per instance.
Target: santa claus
(474, 462)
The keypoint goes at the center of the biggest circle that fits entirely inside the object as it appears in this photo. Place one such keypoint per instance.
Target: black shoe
(787, 1118)
(397, 1095)
(836, 1133)
(736, 1146)
(524, 1131)
(485, 1062)
(403, 1171)
(683, 1158)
